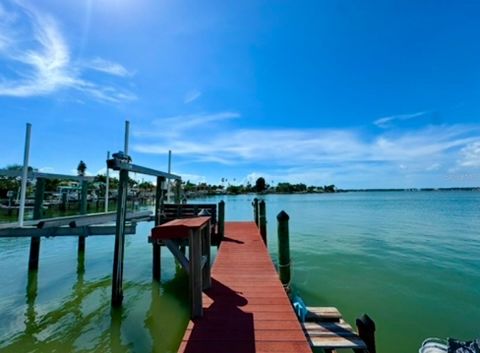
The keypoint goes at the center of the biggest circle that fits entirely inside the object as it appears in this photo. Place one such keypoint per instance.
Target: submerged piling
(366, 331)
(283, 248)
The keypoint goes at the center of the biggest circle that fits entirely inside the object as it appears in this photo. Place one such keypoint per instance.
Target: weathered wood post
(262, 220)
(178, 189)
(63, 205)
(157, 249)
(37, 214)
(366, 331)
(255, 210)
(83, 210)
(283, 248)
(117, 277)
(206, 270)
(10, 197)
(221, 219)
(195, 272)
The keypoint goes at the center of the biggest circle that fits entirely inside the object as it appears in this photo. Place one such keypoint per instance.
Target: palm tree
(82, 167)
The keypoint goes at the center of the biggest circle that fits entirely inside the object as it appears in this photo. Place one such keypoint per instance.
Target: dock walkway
(246, 310)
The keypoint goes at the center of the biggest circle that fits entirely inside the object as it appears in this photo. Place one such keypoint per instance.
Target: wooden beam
(26, 232)
(174, 249)
(89, 219)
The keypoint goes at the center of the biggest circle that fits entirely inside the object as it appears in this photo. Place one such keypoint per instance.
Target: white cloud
(108, 67)
(388, 121)
(471, 155)
(43, 64)
(46, 170)
(193, 178)
(191, 96)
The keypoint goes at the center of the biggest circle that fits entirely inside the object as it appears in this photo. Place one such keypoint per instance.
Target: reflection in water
(115, 331)
(167, 315)
(84, 321)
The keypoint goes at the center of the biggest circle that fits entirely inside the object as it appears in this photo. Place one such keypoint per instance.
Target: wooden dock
(246, 310)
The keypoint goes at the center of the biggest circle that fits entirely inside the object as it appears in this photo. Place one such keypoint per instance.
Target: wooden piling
(117, 276)
(195, 273)
(221, 219)
(178, 189)
(83, 210)
(366, 331)
(156, 248)
(262, 220)
(206, 269)
(255, 210)
(63, 205)
(37, 214)
(283, 248)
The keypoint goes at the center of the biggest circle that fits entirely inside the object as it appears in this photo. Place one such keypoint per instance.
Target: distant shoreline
(476, 188)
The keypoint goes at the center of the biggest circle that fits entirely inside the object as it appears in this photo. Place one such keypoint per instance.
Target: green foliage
(235, 189)
(12, 183)
(146, 185)
(260, 185)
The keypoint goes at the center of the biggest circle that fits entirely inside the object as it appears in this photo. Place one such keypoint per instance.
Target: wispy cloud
(43, 65)
(388, 121)
(192, 96)
(108, 67)
(316, 154)
(177, 125)
(471, 155)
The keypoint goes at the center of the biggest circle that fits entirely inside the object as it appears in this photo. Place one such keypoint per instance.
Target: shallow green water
(411, 260)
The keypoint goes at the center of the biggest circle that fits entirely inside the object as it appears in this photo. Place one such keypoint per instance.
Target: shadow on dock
(222, 320)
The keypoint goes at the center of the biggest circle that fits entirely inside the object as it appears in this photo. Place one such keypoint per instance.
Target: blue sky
(356, 93)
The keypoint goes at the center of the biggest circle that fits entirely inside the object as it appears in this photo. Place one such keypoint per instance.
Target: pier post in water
(178, 190)
(262, 220)
(283, 248)
(37, 214)
(119, 250)
(366, 331)
(157, 249)
(63, 205)
(221, 219)
(83, 210)
(255, 210)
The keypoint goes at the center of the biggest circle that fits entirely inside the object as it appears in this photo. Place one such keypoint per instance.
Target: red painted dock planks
(246, 310)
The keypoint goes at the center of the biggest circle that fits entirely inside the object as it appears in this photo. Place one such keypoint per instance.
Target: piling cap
(283, 216)
(365, 322)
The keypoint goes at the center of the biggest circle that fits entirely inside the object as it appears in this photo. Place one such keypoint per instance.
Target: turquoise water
(411, 260)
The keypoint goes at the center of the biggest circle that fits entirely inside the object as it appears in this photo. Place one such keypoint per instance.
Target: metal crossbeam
(116, 164)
